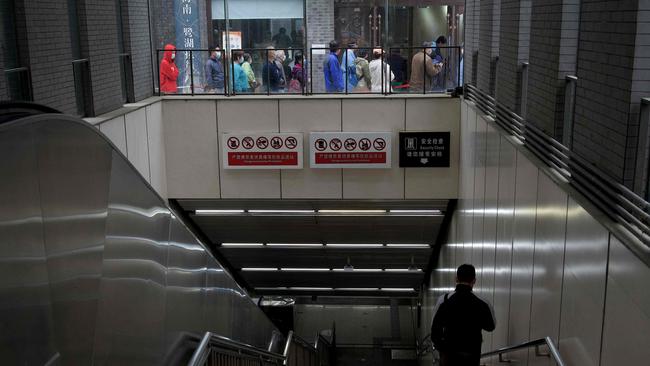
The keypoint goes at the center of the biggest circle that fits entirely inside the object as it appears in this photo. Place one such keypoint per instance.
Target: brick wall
(552, 56)
(42, 26)
(611, 73)
(488, 47)
(137, 42)
(320, 30)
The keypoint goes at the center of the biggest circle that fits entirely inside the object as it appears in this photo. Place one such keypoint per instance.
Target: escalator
(96, 269)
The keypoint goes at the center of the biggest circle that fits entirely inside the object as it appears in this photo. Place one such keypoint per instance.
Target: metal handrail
(210, 339)
(553, 351)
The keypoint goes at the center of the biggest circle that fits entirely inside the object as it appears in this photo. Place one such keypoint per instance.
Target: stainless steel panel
(131, 319)
(466, 202)
(522, 253)
(26, 323)
(490, 222)
(583, 291)
(74, 167)
(218, 299)
(505, 225)
(480, 145)
(626, 332)
(186, 283)
(548, 267)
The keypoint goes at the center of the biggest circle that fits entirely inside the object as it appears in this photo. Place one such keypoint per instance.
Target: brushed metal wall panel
(522, 253)
(583, 291)
(26, 322)
(505, 221)
(131, 319)
(74, 166)
(480, 145)
(548, 267)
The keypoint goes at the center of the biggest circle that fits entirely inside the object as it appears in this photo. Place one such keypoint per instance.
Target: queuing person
(214, 73)
(459, 317)
(380, 72)
(297, 74)
(168, 70)
(397, 65)
(438, 58)
(362, 70)
(271, 74)
(348, 67)
(281, 40)
(239, 77)
(280, 57)
(248, 69)
(332, 70)
(423, 68)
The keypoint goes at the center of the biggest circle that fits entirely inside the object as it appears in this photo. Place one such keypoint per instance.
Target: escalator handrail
(553, 351)
(210, 339)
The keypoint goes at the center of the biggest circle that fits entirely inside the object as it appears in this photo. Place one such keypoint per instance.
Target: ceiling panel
(333, 279)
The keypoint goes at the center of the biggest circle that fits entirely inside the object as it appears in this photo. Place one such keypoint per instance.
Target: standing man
(214, 72)
(348, 67)
(332, 70)
(458, 320)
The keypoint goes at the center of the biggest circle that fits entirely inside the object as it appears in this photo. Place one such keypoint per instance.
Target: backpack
(352, 76)
(438, 338)
(294, 86)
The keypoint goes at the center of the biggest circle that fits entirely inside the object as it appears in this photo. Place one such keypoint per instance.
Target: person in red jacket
(168, 70)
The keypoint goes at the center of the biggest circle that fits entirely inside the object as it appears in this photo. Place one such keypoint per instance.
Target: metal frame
(215, 343)
(538, 343)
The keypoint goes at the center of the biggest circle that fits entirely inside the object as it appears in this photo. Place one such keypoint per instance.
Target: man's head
(334, 47)
(280, 56)
(441, 41)
(216, 53)
(283, 30)
(466, 275)
(352, 43)
(427, 48)
(270, 53)
(377, 53)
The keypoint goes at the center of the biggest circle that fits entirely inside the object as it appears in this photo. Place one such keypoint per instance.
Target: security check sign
(356, 150)
(262, 150)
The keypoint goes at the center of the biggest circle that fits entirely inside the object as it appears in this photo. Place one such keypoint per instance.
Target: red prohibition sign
(248, 142)
(350, 144)
(335, 144)
(291, 142)
(233, 143)
(262, 142)
(276, 143)
(320, 144)
(364, 144)
(379, 144)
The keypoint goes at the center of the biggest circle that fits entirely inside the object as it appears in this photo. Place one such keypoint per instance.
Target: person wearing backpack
(459, 317)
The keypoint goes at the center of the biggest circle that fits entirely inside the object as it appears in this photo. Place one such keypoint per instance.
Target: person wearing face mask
(280, 57)
(168, 71)
(214, 72)
(423, 69)
(240, 79)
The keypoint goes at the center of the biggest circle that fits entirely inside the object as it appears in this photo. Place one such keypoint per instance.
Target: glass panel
(362, 21)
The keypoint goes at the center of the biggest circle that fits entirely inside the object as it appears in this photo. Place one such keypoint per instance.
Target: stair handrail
(537, 343)
(210, 339)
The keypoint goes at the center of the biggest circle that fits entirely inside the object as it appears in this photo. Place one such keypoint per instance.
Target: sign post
(424, 149)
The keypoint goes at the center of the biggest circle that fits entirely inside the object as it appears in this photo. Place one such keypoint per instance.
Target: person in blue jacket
(332, 70)
(271, 74)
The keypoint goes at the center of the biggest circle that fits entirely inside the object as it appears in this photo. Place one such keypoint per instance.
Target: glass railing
(345, 71)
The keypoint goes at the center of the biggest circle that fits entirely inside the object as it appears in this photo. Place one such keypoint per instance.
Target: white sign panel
(262, 150)
(365, 150)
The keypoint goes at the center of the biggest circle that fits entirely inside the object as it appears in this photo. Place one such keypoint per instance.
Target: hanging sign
(365, 150)
(424, 149)
(262, 150)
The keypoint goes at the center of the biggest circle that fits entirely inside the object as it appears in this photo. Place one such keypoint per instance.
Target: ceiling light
(306, 269)
(356, 289)
(217, 212)
(241, 245)
(258, 269)
(417, 212)
(291, 245)
(398, 289)
(311, 288)
(355, 245)
(352, 211)
(350, 268)
(404, 270)
(408, 246)
(281, 211)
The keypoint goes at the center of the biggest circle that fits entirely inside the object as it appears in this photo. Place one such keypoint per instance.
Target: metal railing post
(523, 108)
(569, 110)
(642, 169)
(192, 72)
